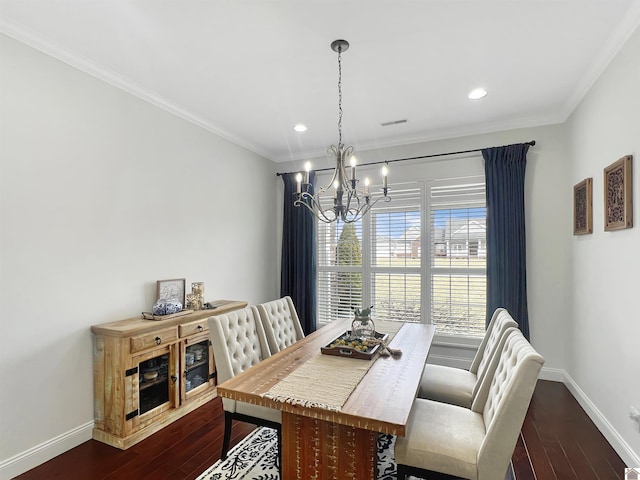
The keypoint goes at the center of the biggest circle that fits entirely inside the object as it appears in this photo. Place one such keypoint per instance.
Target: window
(458, 278)
(379, 260)
(339, 269)
(396, 256)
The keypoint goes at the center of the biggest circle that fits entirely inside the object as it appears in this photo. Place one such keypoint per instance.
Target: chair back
(281, 323)
(238, 342)
(500, 321)
(509, 389)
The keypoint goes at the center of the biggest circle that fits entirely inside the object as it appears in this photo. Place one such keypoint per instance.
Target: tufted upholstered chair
(239, 342)
(476, 443)
(281, 323)
(457, 385)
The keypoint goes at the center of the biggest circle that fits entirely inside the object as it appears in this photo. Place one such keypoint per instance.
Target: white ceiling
(251, 70)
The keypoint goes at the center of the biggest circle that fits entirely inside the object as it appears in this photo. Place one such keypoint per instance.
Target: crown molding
(629, 23)
(13, 30)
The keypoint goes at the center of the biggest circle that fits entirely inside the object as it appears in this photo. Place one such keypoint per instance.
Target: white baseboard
(629, 457)
(552, 374)
(39, 454)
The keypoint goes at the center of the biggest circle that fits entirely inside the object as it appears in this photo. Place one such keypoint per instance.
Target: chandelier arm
(356, 214)
(345, 153)
(313, 204)
(321, 212)
(361, 207)
(323, 190)
(386, 199)
(333, 150)
(298, 203)
(352, 194)
(318, 214)
(368, 206)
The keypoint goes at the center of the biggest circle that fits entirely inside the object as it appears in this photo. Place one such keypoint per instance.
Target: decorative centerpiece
(348, 345)
(362, 325)
(362, 341)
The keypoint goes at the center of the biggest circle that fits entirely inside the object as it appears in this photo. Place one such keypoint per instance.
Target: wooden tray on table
(346, 345)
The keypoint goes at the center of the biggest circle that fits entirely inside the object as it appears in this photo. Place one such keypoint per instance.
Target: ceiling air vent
(395, 122)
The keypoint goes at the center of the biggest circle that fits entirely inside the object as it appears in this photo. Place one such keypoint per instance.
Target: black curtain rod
(531, 144)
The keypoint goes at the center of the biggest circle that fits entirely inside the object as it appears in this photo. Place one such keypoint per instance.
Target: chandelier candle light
(357, 203)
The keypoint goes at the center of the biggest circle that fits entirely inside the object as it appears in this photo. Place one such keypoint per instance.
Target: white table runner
(326, 381)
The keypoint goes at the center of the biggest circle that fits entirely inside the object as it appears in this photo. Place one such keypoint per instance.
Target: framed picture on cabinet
(173, 289)
(618, 195)
(583, 207)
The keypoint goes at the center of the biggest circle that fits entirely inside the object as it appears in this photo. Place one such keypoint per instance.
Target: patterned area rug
(254, 458)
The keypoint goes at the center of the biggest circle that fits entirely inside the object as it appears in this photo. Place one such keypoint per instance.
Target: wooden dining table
(322, 443)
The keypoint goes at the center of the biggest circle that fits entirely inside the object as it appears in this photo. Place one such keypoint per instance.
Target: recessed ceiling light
(300, 128)
(477, 93)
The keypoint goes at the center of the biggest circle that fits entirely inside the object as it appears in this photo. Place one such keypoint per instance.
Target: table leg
(323, 450)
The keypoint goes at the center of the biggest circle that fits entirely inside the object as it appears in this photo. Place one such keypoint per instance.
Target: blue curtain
(298, 271)
(506, 240)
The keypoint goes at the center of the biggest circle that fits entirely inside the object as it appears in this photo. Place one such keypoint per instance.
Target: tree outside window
(349, 283)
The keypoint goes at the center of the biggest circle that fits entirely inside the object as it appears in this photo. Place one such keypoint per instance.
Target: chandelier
(350, 204)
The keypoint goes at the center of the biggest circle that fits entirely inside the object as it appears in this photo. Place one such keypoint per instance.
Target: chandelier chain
(339, 97)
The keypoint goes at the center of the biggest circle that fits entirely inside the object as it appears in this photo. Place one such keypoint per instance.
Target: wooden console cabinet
(148, 373)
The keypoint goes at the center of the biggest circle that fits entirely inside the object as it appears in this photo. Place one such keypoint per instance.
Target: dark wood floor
(558, 442)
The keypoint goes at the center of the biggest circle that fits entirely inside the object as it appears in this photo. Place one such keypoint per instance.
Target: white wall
(603, 341)
(101, 195)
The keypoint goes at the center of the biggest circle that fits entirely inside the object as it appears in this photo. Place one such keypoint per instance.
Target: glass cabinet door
(151, 386)
(199, 370)
(154, 383)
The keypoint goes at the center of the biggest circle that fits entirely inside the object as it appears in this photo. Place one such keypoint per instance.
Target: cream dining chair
(476, 443)
(457, 385)
(239, 342)
(281, 323)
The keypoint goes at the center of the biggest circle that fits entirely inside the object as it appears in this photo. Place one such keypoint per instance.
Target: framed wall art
(173, 289)
(618, 195)
(583, 207)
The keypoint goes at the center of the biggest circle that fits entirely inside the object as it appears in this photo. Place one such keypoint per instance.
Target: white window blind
(458, 258)
(396, 255)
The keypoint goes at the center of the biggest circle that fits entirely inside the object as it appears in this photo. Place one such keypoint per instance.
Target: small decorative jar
(363, 327)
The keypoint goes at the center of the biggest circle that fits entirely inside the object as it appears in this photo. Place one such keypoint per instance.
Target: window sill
(466, 343)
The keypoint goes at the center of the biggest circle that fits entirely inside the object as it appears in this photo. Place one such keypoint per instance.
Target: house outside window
(379, 260)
